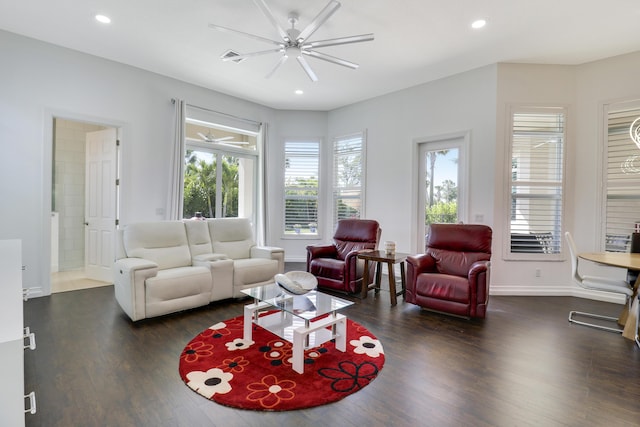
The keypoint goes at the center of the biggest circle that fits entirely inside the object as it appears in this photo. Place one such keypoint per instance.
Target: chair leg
(637, 321)
(593, 325)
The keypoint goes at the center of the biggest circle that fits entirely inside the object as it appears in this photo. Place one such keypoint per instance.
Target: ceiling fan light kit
(295, 42)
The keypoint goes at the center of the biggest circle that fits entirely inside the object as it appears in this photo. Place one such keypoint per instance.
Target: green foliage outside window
(442, 212)
(200, 187)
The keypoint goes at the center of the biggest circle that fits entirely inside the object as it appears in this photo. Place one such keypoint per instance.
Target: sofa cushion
(163, 242)
(178, 283)
(231, 236)
(443, 286)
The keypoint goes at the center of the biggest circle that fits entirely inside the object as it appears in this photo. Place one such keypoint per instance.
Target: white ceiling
(415, 40)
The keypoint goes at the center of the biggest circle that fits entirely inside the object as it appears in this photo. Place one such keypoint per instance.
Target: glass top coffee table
(306, 320)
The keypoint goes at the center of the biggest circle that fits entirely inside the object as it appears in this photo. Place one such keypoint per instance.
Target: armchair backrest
(355, 234)
(456, 247)
(232, 236)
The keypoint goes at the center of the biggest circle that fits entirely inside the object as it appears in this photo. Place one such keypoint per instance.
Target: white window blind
(348, 176)
(301, 186)
(537, 176)
(622, 207)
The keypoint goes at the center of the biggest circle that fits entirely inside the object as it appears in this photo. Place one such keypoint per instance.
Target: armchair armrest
(422, 263)
(479, 280)
(322, 251)
(130, 275)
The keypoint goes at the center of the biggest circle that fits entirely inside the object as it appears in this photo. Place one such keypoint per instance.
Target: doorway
(83, 193)
(442, 186)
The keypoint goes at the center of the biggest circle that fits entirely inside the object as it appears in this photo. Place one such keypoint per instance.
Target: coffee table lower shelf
(302, 333)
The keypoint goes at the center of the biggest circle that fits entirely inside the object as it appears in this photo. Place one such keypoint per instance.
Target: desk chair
(595, 283)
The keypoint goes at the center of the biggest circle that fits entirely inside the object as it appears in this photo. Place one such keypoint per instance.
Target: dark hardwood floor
(524, 365)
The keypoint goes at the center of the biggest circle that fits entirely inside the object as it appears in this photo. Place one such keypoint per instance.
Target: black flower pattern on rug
(349, 375)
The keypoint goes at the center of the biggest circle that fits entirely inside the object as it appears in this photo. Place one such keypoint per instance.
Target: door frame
(460, 140)
(49, 115)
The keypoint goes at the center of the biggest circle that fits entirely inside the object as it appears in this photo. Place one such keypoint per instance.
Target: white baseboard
(558, 291)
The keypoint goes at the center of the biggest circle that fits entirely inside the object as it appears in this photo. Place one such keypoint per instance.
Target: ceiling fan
(209, 137)
(295, 42)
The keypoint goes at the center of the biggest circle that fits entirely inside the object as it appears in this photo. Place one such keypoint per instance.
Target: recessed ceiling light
(299, 92)
(103, 18)
(478, 23)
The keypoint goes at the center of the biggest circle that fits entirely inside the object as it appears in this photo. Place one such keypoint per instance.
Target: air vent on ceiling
(230, 54)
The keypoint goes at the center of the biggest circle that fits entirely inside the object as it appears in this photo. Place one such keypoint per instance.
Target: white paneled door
(100, 204)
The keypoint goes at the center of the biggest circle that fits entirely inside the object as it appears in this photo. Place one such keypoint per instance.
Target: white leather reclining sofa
(167, 266)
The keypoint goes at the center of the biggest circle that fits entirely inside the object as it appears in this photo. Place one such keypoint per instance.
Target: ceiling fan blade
(281, 61)
(242, 33)
(265, 9)
(251, 55)
(307, 68)
(331, 59)
(339, 41)
(324, 14)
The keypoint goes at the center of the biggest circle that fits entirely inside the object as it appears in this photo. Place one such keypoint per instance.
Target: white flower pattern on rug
(211, 382)
(238, 344)
(367, 345)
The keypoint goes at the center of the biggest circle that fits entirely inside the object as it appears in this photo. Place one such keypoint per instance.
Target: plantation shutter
(301, 186)
(622, 181)
(348, 177)
(537, 162)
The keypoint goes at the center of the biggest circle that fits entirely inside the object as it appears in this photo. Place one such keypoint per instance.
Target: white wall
(583, 89)
(39, 81)
(461, 103)
(291, 124)
(530, 85)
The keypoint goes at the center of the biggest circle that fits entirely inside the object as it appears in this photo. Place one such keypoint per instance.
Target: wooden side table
(380, 257)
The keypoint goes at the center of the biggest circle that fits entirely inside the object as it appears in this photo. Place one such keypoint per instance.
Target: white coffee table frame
(283, 319)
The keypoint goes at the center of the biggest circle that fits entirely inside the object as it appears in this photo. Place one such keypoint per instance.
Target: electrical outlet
(538, 272)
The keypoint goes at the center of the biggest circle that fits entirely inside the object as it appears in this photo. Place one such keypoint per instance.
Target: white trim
(505, 250)
(435, 142)
(555, 291)
(48, 116)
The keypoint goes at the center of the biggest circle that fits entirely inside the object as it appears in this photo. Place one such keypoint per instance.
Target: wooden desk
(630, 262)
(380, 257)
(616, 259)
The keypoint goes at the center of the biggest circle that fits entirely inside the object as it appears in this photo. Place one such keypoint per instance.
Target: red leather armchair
(453, 275)
(337, 266)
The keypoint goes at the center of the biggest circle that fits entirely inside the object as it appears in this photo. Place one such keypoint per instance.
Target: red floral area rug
(221, 366)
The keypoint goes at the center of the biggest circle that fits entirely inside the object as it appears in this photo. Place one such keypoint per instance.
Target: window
(301, 187)
(220, 171)
(622, 173)
(536, 182)
(348, 177)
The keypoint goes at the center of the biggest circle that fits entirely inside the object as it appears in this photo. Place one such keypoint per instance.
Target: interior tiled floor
(65, 281)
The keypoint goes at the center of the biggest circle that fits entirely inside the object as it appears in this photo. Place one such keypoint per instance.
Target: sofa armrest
(204, 258)
(221, 268)
(269, 252)
(130, 275)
